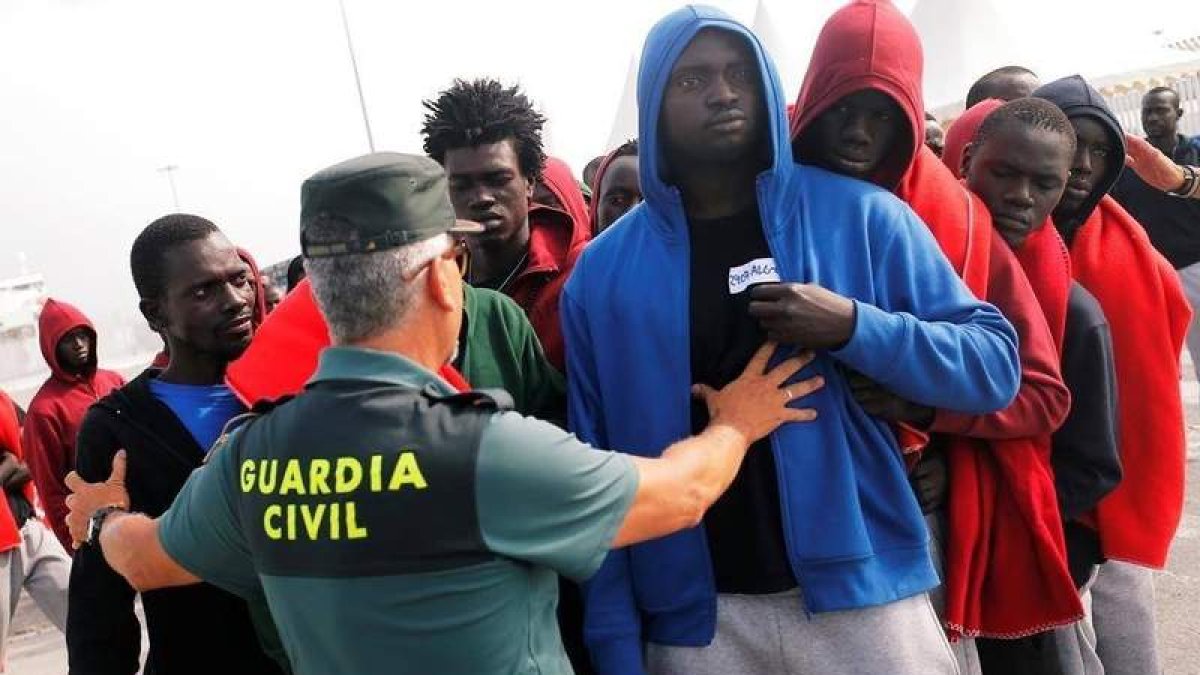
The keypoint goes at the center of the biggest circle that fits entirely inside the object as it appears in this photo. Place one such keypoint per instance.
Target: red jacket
(10, 441)
(556, 238)
(56, 411)
(1006, 569)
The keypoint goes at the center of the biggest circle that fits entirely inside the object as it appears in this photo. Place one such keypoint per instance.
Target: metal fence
(1127, 104)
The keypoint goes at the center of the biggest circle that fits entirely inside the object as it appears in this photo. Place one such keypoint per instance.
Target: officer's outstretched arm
(131, 547)
(675, 490)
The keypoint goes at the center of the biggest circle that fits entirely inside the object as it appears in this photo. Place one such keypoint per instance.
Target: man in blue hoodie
(819, 541)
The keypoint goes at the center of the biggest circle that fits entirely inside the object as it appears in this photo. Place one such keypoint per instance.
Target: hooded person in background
(558, 189)
(488, 137)
(860, 113)
(31, 558)
(68, 342)
(1148, 314)
(1018, 162)
(1006, 83)
(618, 188)
(796, 569)
(589, 173)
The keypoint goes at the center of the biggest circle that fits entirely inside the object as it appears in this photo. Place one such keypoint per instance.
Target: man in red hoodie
(30, 556)
(68, 342)
(860, 113)
(488, 137)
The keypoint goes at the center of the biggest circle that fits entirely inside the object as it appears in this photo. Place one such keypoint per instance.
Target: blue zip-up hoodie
(854, 534)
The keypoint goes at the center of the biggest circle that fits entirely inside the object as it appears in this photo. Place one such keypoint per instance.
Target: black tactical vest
(361, 478)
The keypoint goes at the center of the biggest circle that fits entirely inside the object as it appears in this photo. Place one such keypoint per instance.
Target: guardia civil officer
(395, 525)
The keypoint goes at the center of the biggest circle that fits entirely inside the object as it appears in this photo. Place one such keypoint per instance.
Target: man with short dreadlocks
(489, 139)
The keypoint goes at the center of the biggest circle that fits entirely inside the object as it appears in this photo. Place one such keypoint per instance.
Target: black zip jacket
(1084, 453)
(192, 629)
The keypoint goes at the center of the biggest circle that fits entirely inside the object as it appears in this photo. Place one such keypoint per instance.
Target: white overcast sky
(248, 97)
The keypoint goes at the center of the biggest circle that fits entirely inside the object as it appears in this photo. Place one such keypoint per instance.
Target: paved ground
(36, 648)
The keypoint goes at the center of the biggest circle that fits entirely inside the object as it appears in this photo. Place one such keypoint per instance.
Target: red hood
(557, 176)
(867, 44)
(597, 181)
(56, 320)
(962, 130)
(296, 328)
(259, 312)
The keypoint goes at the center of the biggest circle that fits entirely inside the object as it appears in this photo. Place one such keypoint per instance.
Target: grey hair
(364, 294)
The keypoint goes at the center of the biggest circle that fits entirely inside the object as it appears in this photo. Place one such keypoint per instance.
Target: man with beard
(197, 292)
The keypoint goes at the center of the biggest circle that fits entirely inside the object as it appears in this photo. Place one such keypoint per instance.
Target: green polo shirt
(547, 504)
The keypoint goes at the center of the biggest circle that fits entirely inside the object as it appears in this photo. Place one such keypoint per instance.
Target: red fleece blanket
(1006, 567)
(283, 355)
(1149, 317)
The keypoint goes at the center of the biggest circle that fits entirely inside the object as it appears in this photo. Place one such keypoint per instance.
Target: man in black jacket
(197, 293)
(1172, 222)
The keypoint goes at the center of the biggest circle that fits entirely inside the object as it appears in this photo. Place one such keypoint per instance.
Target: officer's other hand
(86, 498)
(1151, 165)
(881, 403)
(805, 315)
(758, 400)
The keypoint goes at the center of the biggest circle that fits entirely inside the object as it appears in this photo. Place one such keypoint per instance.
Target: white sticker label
(754, 272)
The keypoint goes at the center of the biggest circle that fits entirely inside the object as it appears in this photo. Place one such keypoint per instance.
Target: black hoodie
(192, 629)
(1075, 97)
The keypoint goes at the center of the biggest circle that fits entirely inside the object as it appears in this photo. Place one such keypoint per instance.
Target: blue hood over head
(665, 43)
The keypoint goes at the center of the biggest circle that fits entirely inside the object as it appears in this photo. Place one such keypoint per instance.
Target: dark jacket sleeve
(1085, 455)
(103, 633)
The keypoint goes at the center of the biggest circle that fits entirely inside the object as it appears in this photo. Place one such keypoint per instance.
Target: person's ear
(152, 310)
(968, 153)
(530, 184)
(442, 287)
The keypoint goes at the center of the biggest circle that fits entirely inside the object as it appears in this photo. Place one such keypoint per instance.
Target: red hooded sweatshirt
(1006, 568)
(961, 132)
(556, 238)
(10, 441)
(56, 411)
(297, 329)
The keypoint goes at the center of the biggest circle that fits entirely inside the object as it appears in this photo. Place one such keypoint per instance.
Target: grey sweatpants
(1123, 613)
(964, 649)
(41, 567)
(770, 634)
(1076, 644)
(1190, 277)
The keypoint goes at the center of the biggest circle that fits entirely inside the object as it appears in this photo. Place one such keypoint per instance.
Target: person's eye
(1101, 151)
(743, 74)
(688, 82)
(200, 293)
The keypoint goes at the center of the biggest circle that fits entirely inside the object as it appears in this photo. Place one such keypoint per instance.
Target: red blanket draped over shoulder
(283, 355)
(1006, 565)
(1149, 317)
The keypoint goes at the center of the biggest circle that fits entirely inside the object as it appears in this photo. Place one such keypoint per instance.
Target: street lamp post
(170, 170)
(362, 101)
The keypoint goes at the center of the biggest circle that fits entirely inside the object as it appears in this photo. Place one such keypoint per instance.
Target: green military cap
(376, 202)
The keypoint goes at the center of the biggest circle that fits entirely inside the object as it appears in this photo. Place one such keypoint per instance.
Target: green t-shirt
(546, 504)
(502, 352)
